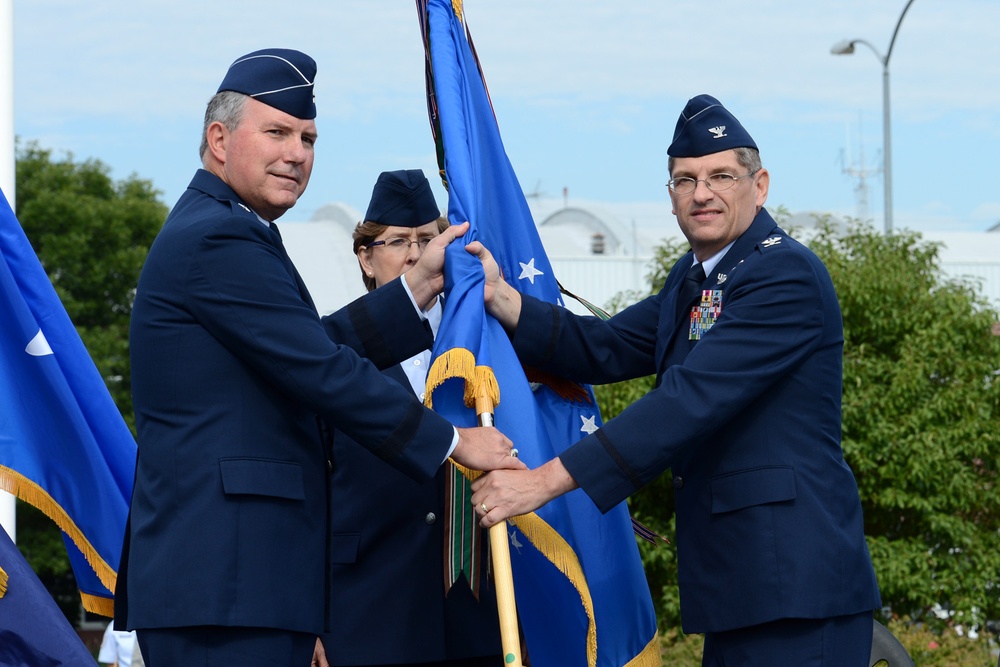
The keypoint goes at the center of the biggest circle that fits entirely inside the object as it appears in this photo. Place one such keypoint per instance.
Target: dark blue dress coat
(388, 568)
(234, 375)
(769, 521)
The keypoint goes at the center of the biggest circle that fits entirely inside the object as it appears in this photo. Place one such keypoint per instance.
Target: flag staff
(500, 553)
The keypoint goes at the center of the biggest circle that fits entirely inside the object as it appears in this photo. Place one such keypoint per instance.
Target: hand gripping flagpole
(500, 552)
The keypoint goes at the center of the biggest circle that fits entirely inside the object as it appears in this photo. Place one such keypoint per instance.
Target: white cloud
(586, 92)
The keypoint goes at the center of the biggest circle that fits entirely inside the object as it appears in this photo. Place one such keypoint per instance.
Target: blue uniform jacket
(769, 520)
(233, 374)
(388, 568)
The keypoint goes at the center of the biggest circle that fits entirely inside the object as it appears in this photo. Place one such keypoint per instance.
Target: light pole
(846, 47)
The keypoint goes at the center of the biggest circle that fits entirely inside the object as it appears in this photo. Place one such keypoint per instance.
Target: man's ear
(217, 137)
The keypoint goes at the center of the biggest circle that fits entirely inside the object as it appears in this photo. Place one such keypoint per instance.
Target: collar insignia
(721, 278)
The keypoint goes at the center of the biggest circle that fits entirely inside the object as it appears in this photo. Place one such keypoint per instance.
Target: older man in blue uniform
(746, 341)
(237, 384)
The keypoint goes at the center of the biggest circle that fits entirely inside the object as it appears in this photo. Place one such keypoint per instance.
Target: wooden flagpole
(503, 576)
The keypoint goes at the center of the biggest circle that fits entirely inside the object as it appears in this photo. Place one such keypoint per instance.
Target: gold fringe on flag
(17, 484)
(554, 547)
(3, 582)
(649, 656)
(98, 605)
(557, 551)
(461, 363)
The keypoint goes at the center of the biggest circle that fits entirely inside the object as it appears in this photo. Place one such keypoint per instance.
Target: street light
(846, 47)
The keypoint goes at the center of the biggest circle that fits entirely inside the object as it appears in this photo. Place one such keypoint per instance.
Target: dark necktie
(690, 290)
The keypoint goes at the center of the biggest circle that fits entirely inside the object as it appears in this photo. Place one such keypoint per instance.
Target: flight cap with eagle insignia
(706, 127)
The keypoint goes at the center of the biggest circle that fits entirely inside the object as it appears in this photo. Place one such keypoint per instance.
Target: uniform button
(678, 482)
(329, 465)
(430, 518)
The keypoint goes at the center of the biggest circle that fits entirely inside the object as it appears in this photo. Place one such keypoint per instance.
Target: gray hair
(749, 159)
(226, 107)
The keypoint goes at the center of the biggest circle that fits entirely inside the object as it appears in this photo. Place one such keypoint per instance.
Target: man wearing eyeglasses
(746, 341)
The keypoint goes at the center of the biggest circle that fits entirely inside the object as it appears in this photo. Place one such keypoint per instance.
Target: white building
(597, 250)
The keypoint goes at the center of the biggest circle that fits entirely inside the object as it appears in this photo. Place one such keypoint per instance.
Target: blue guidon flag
(64, 446)
(581, 593)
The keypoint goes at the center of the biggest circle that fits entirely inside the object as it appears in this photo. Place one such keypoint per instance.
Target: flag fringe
(3, 582)
(461, 363)
(485, 386)
(455, 363)
(95, 604)
(554, 547)
(557, 551)
(649, 656)
(17, 484)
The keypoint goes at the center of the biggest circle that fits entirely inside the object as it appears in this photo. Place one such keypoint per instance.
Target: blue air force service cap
(281, 78)
(706, 127)
(402, 199)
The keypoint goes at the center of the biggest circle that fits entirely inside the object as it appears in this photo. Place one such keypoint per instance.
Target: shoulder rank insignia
(244, 207)
(774, 240)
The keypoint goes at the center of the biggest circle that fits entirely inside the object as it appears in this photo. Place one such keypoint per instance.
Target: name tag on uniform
(705, 313)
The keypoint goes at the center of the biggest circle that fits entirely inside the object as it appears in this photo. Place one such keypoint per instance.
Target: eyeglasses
(715, 183)
(400, 245)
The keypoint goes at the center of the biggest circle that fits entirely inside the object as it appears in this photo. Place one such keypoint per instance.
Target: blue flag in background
(33, 630)
(64, 446)
(582, 596)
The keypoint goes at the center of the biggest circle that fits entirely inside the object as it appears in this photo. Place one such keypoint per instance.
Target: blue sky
(587, 93)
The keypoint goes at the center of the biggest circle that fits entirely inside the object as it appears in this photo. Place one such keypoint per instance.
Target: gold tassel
(17, 484)
(3, 582)
(455, 363)
(457, 6)
(485, 383)
(98, 605)
(461, 363)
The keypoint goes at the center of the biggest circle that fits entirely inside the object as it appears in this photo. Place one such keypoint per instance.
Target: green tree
(921, 422)
(921, 427)
(91, 235)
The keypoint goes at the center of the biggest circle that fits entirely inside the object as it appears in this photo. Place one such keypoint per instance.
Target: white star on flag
(529, 271)
(588, 424)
